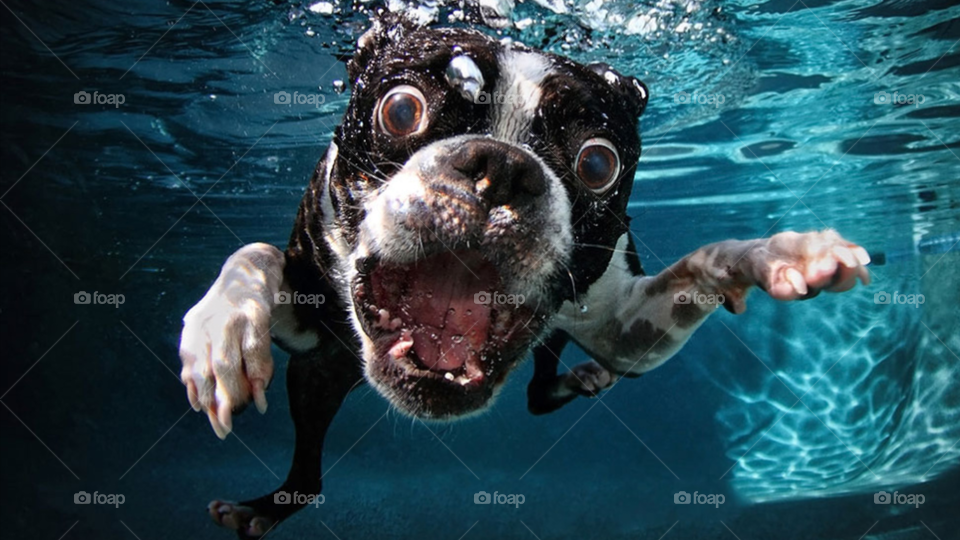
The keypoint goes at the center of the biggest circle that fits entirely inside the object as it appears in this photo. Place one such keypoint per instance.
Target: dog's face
(472, 188)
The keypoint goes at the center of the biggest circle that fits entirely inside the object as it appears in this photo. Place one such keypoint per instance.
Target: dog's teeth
(448, 376)
(383, 320)
(402, 346)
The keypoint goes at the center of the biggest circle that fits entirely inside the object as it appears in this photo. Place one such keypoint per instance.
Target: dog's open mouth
(441, 319)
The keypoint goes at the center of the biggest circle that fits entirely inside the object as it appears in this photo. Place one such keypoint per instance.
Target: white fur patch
(333, 236)
(517, 94)
(602, 299)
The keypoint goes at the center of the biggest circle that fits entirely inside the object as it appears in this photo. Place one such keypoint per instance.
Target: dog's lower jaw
(429, 346)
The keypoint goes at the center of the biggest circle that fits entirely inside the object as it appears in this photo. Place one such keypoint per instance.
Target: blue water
(798, 414)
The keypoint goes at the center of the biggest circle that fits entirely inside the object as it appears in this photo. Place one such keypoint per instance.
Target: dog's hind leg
(317, 383)
(549, 391)
(544, 393)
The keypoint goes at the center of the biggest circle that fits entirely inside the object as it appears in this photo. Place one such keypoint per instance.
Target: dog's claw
(796, 280)
(862, 256)
(215, 423)
(242, 519)
(846, 257)
(259, 395)
(192, 395)
(259, 526)
(588, 379)
(863, 274)
(225, 417)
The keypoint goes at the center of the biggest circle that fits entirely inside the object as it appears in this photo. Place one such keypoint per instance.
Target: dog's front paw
(242, 519)
(792, 266)
(588, 379)
(225, 344)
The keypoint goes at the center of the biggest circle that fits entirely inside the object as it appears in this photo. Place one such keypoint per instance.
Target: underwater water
(765, 116)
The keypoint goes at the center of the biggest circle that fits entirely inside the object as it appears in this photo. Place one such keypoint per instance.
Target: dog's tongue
(450, 327)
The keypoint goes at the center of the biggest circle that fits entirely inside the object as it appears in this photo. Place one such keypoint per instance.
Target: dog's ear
(384, 27)
(631, 88)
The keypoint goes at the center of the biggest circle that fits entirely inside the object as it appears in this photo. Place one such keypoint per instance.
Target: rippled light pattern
(829, 417)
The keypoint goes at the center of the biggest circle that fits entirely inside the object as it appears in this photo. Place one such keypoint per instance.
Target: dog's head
(472, 188)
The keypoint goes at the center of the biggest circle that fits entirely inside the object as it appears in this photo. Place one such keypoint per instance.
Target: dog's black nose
(501, 173)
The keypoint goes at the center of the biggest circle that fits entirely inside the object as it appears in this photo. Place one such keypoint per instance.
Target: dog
(471, 208)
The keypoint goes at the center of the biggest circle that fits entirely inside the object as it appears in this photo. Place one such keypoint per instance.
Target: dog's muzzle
(454, 256)
(447, 192)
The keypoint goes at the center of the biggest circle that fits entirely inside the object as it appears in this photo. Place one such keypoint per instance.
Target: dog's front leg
(317, 383)
(643, 321)
(225, 343)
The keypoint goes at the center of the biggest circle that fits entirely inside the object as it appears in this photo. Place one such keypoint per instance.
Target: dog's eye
(403, 111)
(598, 164)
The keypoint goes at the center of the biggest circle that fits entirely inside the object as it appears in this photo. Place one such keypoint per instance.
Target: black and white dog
(471, 207)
